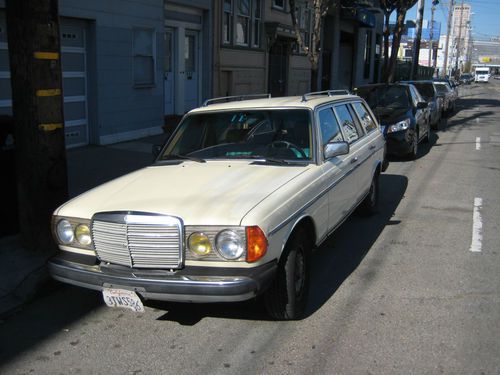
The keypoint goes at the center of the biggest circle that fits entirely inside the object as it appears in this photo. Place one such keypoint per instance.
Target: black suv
(402, 113)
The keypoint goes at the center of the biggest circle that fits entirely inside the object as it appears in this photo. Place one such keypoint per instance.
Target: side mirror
(422, 105)
(335, 149)
(156, 149)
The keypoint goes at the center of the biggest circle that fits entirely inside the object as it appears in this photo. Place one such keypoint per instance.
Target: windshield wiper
(182, 157)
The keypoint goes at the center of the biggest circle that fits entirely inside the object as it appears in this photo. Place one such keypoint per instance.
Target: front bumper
(191, 284)
(399, 143)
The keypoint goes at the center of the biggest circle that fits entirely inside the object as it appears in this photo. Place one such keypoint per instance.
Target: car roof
(310, 102)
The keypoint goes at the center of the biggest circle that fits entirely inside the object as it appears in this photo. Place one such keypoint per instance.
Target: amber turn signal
(256, 243)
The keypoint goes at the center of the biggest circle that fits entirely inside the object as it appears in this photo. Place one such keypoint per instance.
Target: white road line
(478, 143)
(477, 227)
(477, 120)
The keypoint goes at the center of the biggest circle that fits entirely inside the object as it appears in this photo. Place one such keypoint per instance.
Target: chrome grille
(138, 240)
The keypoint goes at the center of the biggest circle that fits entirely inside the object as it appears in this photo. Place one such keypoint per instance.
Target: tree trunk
(416, 41)
(396, 39)
(387, 16)
(35, 68)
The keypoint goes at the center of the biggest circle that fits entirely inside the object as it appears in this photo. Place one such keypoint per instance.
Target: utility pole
(447, 43)
(416, 41)
(36, 81)
(459, 36)
(431, 33)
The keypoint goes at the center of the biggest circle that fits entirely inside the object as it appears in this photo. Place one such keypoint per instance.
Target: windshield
(283, 134)
(482, 71)
(425, 89)
(385, 96)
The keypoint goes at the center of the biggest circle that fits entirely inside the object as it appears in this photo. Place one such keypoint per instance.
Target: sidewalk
(22, 272)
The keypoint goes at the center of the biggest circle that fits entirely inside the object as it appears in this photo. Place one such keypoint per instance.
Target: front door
(168, 80)
(191, 69)
(278, 67)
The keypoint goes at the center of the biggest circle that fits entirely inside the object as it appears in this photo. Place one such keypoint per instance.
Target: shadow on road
(52, 313)
(331, 264)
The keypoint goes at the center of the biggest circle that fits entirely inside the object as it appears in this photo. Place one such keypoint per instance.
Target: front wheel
(286, 298)
(412, 155)
(369, 206)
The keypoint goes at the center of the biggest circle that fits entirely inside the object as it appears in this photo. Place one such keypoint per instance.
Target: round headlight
(199, 244)
(65, 232)
(229, 244)
(82, 234)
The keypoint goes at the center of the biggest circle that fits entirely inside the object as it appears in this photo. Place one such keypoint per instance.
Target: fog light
(199, 244)
(82, 233)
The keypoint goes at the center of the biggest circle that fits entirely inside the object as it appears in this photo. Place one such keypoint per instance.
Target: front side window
(347, 123)
(241, 23)
(249, 134)
(144, 56)
(330, 130)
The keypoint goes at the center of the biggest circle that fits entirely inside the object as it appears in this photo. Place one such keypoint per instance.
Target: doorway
(278, 68)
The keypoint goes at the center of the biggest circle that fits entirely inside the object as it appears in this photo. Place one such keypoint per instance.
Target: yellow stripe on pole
(46, 55)
(48, 92)
(50, 127)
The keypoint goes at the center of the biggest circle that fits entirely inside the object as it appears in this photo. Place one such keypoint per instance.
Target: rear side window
(347, 123)
(364, 116)
(330, 130)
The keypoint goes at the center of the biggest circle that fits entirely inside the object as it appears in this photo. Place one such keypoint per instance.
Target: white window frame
(152, 32)
(253, 19)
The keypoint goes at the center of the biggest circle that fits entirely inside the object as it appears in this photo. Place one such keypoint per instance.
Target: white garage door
(74, 67)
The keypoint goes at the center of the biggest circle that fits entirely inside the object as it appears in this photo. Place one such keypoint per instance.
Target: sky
(485, 17)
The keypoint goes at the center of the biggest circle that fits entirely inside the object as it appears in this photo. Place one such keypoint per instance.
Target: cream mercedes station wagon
(236, 200)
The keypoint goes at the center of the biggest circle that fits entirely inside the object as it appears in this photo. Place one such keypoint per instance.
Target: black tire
(286, 297)
(427, 138)
(412, 155)
(369, 206)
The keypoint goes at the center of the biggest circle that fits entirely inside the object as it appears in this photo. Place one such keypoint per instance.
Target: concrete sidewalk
(22, 272)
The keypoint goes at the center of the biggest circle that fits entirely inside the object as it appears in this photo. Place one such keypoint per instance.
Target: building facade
(459, 45)
(130, 67)
(112, 62)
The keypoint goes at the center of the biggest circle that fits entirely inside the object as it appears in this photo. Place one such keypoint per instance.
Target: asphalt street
(414, 289)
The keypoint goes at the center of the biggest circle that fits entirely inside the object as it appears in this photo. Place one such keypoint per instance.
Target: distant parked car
(434, 100)
(496, 76)
(448, 95)
(466, 78)
(403, 115)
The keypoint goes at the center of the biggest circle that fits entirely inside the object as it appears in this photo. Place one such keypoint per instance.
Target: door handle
(372, 147)
(354, 160)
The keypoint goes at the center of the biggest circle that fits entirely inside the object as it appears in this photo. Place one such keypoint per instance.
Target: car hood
(388, 116)
(216, 192)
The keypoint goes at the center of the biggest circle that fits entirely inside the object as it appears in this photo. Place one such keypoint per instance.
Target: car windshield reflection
(283, 134)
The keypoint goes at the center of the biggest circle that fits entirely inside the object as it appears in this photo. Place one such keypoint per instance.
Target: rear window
(425, 89)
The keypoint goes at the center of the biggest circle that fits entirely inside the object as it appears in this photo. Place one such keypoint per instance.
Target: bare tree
(402, 7)
(319, 10)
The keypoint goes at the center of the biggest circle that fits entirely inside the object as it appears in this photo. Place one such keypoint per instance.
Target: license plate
(122, 298)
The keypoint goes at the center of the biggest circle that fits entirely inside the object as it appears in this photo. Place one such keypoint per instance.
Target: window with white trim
(144, 56)
(279, 4)
(241, 23)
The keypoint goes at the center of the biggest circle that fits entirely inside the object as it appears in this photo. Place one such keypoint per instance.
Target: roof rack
(326, 92)
(235, 98)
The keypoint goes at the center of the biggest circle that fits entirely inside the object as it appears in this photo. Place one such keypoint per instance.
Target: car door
(369, 145)
(421, 114)
(353, 134)
(336, 170)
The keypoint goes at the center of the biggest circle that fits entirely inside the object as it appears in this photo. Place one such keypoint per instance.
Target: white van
(482, 74)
